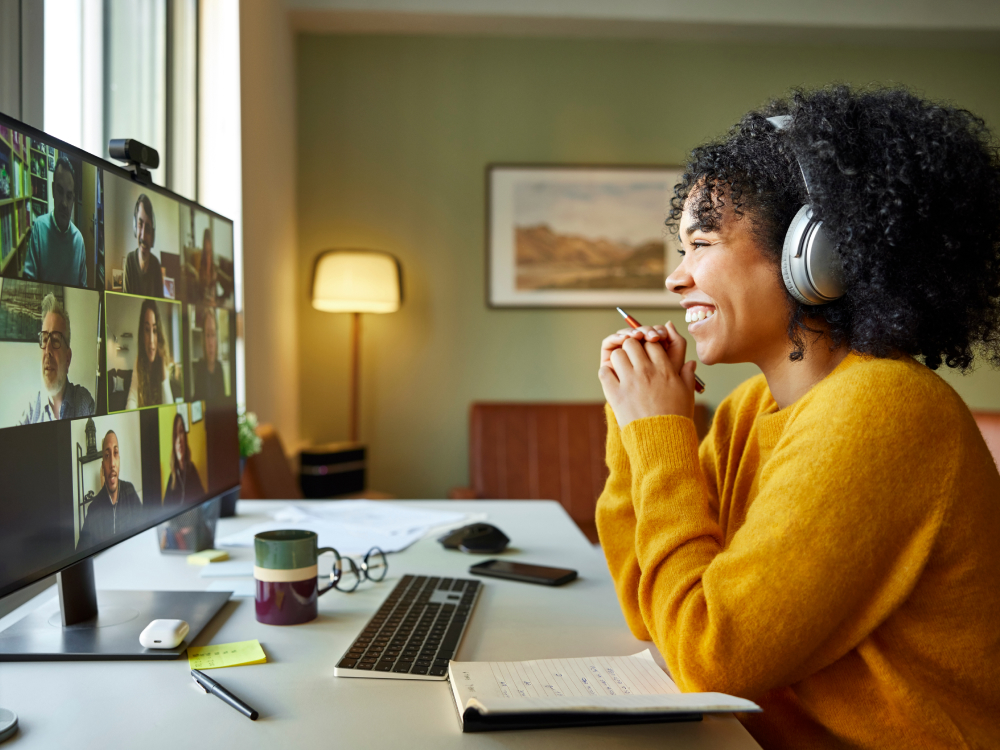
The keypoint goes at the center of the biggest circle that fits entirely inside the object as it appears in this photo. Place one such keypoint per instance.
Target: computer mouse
(476, 539)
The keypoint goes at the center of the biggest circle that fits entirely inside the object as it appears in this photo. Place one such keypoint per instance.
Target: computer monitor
(117, 386)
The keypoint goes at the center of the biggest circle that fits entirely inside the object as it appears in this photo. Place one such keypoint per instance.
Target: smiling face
(148, 334)
(111, 462)
(736, 305)
(180, 441)
(144, 231)
(56, 354)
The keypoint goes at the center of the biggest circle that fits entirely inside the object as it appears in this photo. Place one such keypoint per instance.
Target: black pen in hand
(211, 686)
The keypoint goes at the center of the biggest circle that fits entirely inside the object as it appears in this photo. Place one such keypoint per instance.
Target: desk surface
(157, 705)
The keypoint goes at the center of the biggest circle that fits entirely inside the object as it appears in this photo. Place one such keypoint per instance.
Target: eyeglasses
(55, 340)
(347, 574)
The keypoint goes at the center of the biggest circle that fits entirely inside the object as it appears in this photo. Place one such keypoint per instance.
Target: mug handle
(333, 570)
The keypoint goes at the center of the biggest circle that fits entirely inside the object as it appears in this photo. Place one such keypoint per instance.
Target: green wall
(393, 137)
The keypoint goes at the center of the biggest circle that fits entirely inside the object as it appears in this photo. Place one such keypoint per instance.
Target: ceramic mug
(285, 572)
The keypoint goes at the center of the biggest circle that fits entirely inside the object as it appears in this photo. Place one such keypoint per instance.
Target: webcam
(138, 157)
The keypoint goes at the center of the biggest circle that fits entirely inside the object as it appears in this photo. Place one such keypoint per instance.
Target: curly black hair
(908, 191)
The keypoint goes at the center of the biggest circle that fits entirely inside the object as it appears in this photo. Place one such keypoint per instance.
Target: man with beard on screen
(116, 507)
(58, 398)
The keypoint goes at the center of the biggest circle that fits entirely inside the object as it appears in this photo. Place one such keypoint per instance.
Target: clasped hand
(644, 374)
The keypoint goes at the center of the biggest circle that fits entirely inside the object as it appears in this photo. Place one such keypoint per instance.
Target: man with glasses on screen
(117, 506)
(55, 252)
(58, 398)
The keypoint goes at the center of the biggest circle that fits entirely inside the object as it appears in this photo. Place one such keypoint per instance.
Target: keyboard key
(385, 665)
(417, 669)
(347, 663)
(402, 667)
(438, 671)
(362, 665)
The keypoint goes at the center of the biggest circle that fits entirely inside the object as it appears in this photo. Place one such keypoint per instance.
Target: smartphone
(524, 572)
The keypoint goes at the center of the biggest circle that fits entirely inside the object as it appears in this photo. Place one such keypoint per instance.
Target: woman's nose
(679, 280)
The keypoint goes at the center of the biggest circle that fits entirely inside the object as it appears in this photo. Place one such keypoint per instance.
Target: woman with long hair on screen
(184, 485)
(830, 549)
(151, 377)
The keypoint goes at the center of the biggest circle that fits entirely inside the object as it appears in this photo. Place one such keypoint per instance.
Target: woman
(832, 548)
(184, 485)
(151, 377)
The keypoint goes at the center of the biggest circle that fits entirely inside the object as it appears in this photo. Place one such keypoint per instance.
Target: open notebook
(576, 692)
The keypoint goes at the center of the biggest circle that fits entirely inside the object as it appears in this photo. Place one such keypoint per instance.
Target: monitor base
(113, 634)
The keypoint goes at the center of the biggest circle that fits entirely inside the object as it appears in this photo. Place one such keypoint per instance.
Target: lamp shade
(357, 281)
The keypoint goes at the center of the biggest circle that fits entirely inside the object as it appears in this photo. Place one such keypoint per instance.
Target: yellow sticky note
(207, 556)
(226, 655)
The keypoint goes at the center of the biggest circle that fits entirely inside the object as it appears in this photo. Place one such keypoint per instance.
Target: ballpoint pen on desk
(211, 686)
(699, 385)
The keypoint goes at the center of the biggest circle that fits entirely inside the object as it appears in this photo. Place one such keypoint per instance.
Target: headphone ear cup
(809, 266)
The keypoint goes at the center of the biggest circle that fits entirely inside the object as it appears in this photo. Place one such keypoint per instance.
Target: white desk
(156, 704)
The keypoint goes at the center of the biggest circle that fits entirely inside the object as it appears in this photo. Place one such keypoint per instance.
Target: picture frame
(579, 235)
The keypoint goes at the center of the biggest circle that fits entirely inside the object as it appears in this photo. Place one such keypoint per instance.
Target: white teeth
(693, 316)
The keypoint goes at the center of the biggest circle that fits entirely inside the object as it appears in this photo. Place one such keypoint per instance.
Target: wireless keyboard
(415, 632)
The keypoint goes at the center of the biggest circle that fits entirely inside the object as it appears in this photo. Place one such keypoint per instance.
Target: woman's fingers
(676, 346)
(636, 352)
(687, 373)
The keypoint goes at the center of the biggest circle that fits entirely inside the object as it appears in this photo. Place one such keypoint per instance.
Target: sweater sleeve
(616, 521)
(832, 543)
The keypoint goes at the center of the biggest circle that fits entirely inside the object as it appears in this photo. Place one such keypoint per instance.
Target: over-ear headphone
(810, 268)
(143, 200)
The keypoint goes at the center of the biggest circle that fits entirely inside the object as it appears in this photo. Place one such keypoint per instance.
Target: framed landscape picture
(579, 236)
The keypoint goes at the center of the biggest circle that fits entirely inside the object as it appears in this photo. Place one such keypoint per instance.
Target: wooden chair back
(268, 475)
(550, 451)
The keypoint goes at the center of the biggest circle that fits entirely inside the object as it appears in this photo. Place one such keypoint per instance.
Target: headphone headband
(810, 268)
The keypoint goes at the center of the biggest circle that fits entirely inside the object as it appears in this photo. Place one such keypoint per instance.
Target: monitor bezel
(107, 166)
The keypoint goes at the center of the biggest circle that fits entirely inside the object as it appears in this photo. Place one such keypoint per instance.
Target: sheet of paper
(592, 676)
(353, 527)
(219, 655)
(238, 586)
(634, 684)
(227, 569)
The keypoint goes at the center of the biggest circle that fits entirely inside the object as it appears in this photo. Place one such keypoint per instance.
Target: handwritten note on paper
(615, 684)
(226, 655)
(586, 677)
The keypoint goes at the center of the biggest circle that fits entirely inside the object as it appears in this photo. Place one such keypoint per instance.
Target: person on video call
(143, 274)
(58, 398)
(56, 253)
(209, 382)
(116, 507)
(206, 272)
(151, 377)
(184, 485)
(829, 550)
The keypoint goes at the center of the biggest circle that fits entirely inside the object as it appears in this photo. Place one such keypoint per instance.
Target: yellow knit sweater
(837, 561)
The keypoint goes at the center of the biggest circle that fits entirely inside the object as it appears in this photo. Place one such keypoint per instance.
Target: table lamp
(357, 281)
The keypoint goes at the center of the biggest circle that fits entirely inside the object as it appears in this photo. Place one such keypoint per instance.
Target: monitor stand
(103, 625)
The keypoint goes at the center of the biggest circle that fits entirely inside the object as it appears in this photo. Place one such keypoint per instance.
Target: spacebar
(450, 640)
